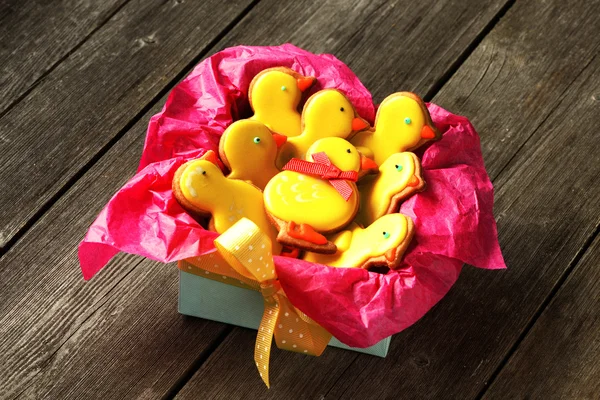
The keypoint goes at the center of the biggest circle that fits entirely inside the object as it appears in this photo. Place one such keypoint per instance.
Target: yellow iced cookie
(201, 188)
(248, 148)
(327, 113)
(310, 198)
(382, 243)
(399, 177)
(274, 96)
(402, 123)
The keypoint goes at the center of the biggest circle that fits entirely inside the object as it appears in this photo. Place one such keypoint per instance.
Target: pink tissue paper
(454, 221)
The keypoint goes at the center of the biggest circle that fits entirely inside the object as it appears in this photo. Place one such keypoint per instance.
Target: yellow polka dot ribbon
(243, 258)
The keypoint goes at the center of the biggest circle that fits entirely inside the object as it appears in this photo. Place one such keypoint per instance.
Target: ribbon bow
(324, 169)
(244, 254)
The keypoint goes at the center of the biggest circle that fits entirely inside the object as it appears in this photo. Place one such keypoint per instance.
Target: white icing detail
(284, 178)
(301, 177)
(315, 195)
(299, 198)
(190, 187)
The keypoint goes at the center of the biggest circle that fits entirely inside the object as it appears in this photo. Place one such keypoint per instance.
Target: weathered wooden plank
(43, 299)
(88, 99)
(390, 45)
(559, 357)
(532, 114)
(547, 204)
(57, 232)
(36, 35)
(101, 360)
(114, 337)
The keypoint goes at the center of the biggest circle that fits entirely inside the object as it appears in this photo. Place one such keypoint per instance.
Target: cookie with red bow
(316, 196)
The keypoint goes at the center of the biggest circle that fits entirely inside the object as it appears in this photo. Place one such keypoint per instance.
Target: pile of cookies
(322, 183)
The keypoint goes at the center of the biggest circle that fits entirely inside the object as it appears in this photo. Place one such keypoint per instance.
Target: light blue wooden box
(208, 299)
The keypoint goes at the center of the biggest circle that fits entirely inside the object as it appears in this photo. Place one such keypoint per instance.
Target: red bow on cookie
(324, 169)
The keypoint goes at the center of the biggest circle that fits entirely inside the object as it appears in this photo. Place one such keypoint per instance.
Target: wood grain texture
(39, 328)
(90, 97)
(547, 203)
(548, 208)
(117, 336)
(390, 45)
(545, 213)
(35, 35)
(559, 357)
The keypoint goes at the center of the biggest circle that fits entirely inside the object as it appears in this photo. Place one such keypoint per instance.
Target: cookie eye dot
(398, 167)
(256, 140)
(386, 234)
(203, 172)
(407, 121)
(348, 151)
(283, 88)
(342, 109)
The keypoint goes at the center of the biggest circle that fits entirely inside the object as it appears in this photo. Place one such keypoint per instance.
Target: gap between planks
(93, 160)
(559, 284)
(52, 67)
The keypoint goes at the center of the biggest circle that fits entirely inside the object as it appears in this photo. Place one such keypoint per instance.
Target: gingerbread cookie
(310, 199)
(200, 187)
(382, 243)
(274, 96)
(402, 123)
(327, 113)
(248, 148)
(399, 177)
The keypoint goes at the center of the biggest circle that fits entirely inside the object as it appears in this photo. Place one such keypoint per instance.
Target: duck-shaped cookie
(248, 148)
(399, 177)
(382, 243)
(402, 123)
(327, 113)
(201, 188)
(274, 95)
(309, 199)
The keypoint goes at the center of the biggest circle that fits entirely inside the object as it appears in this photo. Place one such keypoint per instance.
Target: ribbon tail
(264, 339)
(343, 188)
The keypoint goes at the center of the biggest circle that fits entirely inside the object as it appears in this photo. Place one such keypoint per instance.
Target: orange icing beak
(367, 164)
(358, 124)
(212, 157)
(390, 255)
(305, 83)
(427, 132)
(279, 139)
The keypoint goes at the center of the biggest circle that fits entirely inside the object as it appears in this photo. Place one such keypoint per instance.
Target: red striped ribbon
(324, 169)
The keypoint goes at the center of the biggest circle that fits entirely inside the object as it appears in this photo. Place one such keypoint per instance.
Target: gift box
(209, 299)
(453, 220)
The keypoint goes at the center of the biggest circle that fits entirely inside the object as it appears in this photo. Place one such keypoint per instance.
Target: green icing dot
(386, 235)
(398, 168)
(407, 121)
(257, 140)
(283, 88)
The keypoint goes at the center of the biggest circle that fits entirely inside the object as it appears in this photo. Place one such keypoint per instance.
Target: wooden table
(79, 81)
